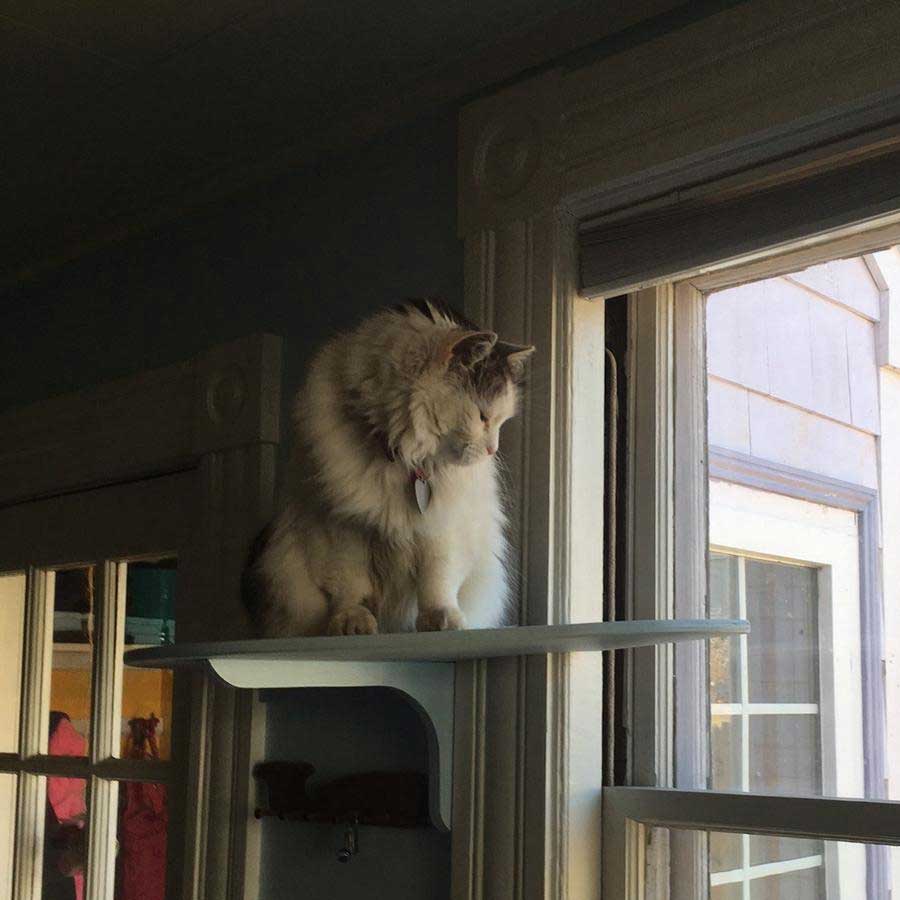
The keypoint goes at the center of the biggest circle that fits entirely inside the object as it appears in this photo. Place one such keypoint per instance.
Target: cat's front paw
(353, 620)
(441, 618)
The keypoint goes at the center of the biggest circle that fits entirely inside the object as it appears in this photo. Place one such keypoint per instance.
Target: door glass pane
(70, 680)
(7, 832)
(12, 628)
(147, 693)
(141, 837)
(65, 830)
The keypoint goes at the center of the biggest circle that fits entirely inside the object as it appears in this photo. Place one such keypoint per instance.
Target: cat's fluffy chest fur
(411, 390)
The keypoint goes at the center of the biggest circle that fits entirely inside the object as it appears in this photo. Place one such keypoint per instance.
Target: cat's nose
(491, 450)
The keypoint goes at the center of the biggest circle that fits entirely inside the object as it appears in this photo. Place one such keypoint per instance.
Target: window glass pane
(784, 755)
(781, 604)
(798, 471)
(806, 884)
(765, 848)
(65, 830)
(794, 869)
(70, 680)
(141, 836)
(12, 627)
(7, 832)
(724, 653)
(147, 693)
(727, 892)
(725, 852)
(727, 765)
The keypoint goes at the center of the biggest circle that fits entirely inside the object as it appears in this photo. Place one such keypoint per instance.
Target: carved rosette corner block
(508, 154)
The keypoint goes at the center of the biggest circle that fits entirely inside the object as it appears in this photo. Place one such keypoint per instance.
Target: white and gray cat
(394, 517)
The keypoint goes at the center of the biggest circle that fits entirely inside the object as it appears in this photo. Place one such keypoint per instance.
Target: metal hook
(351, 843)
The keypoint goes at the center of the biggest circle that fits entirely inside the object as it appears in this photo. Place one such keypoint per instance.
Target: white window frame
(655, 706)
(646, 122)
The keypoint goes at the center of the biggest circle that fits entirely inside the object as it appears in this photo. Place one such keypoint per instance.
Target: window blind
(689, 230)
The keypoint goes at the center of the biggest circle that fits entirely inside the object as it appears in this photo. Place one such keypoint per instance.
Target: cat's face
(478, 393)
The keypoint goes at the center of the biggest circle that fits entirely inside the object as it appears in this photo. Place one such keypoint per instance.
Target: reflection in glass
(12, 628)
(70, 680)
(65, 830)
(141, 837)
(147, 693)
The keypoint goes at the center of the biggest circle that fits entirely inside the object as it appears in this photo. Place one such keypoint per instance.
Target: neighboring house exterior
(804, 434)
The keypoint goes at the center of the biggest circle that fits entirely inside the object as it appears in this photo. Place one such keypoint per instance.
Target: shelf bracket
(428, 685)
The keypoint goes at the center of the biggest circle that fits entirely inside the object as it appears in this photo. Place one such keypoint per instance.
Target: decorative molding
(730, 92)
(689, 850)
(155, 422)
(540, 834)
(739, 468)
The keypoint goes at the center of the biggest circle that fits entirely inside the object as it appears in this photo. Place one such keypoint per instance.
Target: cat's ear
(472, 347)
(515, 356)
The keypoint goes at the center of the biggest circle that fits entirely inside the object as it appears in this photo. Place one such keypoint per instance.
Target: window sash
(631, 813)
(649, 857)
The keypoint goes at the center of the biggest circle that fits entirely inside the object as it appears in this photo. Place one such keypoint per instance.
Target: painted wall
(298, 257)
(301, 258)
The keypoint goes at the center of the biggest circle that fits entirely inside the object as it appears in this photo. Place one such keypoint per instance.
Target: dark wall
(298, 257)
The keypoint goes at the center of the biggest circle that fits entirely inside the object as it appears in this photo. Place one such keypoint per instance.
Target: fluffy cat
(415, 392)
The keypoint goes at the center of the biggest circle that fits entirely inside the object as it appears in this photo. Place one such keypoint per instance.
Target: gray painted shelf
(419, 665)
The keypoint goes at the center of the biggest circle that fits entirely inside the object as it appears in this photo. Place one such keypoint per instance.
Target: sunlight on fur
(413, 398)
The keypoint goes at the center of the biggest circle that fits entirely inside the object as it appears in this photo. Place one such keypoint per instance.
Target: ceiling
(119, 113)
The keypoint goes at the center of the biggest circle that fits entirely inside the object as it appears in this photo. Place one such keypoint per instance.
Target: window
(764, 694)
(86, 743)
(798, 475)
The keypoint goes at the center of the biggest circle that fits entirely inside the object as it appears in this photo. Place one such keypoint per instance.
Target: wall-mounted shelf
(419, 665)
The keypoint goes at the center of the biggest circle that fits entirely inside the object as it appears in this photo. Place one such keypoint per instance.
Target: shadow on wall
(299, 257)
(323, 726)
